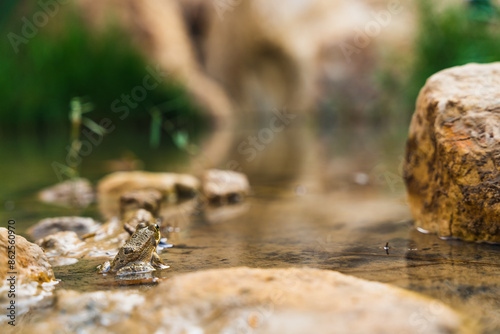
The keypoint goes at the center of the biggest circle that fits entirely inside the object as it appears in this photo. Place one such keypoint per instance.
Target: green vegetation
(456, 35)
(65, 60)
(77, 109)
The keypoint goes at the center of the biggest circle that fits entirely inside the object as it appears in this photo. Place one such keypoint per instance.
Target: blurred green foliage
(65, 60)
(458, 34)
(454, 36)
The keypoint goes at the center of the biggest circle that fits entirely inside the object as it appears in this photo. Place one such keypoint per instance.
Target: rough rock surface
(453, 153)
(91, 312)
(63, 248)
(242, 300)
(31, 263)
(104, 242)
(48, 226)
(111, 187)
(34, 277)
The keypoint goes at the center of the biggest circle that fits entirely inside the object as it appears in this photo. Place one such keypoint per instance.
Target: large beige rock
(243, 300)
(453, 154)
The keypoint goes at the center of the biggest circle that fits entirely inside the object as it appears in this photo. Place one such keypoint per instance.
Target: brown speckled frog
(138, 255)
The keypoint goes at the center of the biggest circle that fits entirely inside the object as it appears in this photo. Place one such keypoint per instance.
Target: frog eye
(157, 227)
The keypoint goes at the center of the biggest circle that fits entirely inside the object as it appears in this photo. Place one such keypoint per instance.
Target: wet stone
(224, 185)
(73, 193)
(148, 199)
(113, 186)
(254, 300)
(48, 226)
(61, 243)
(34, 278)
(453, 153)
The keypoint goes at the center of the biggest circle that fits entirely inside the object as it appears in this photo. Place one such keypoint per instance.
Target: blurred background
(313, 92)
(312, 99)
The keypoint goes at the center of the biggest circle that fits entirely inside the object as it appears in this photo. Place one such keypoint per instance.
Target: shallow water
(341, 221)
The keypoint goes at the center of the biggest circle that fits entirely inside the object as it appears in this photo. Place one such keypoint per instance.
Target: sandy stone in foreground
(244, 300)
(452, 158)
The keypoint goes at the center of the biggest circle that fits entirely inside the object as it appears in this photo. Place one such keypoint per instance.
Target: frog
(138, 255)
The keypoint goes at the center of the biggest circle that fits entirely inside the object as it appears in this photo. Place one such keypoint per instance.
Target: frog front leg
(157, 262)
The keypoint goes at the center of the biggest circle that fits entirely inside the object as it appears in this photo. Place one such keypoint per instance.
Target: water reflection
(332, 209)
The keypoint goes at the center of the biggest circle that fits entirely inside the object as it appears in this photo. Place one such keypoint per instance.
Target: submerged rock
(224, 185)
(76, 193)
(48, 226)
(105, 242)
(147, 199)
(32, 272)
(67, 247)
(453, 153)
(113, 186)
(254, 300)
(61, 243)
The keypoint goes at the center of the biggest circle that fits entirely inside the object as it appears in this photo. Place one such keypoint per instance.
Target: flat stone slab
(452, 158)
